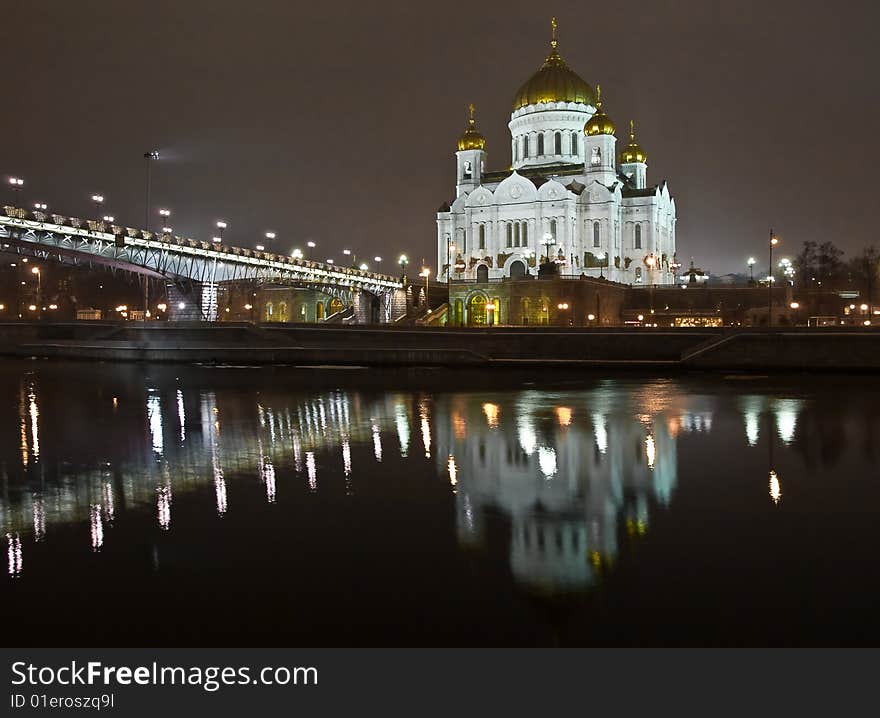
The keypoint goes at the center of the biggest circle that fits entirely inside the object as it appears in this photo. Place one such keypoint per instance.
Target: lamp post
(297, 254)
(751, 262)
(98, 199)
(773, 242)
(16, 183)
(149, 157)
(601, 257)
(41, 206)
(403, 261)
(311, 245)
(549, 241)
(270, 236)
(426, 272)
(450, 248)
(39, 298)
(490, 308)
(221, 225)
(165, 214)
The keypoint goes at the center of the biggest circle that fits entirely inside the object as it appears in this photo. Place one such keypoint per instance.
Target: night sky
(337, 121)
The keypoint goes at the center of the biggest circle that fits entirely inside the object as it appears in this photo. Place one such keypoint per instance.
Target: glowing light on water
(525, 430)
(453, 471)
(426, 428)
(181, 415)
(402, 421)
(547, 461)
(377, 441)
(491, 411)
(39, 511)
(13, 554)
(775, 488)
(601, 433)
(786, 418)
(163, 506)
(34, 413)
(563, 415)
(650, 450)
(312, 470)
(346, 456)
(154, 413)
(96, 527)
(109, 506)
(267, 474)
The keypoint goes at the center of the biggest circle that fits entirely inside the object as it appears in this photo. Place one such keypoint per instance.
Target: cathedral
(569, 197)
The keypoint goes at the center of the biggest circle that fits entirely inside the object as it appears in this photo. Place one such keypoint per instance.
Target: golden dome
(471, 139)
(633, 152)
(600, 123)
(553, 82)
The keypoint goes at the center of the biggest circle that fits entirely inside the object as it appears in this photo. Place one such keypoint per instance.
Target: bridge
(192, 269)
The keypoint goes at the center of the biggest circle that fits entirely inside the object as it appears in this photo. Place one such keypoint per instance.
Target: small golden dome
(633, 152)
(553, 82)
(471, 139)
(600, 123)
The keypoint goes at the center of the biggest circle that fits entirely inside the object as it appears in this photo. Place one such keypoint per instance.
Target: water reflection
(567, 478)
(573, 474)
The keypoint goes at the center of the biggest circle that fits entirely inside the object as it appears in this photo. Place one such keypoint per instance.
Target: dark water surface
(252, 506)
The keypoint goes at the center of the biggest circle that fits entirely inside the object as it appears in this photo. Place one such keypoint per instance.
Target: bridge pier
(383, 308)
(193, 302)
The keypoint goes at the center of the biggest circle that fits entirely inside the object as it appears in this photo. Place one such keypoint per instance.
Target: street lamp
(149, 157)
(490, 308)
(297, 254)
(16, 184)
(549, 240)
(221, 225)
(450, 249)
(311, 245)
(773, 242)
(751, 262)
(403, 261)
(108, 218)
(41, 206)
(426, 272)
(98, 199)
(36, 271)
(377, 259)
(363, 267)
(601, 257)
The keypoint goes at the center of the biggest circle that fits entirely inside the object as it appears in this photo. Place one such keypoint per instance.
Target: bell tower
(634, 161)
(470, 158)
(600, 143)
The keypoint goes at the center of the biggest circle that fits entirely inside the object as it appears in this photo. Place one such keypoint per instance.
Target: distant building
(569, 196)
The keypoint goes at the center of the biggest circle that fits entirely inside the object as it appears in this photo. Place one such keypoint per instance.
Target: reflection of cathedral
(568, 476)
(569, 194)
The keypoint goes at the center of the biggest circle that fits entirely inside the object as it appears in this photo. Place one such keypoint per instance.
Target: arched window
(574, 143)
(269, 311)
(557, 143)
(525, 234)
(553, 228)
(541, 144)
(638, 237)
(596, 234)
(509, 234)
(466, 171)
(515, 151)
(482, 236)
(596, 157)
(638, 274)
(516, 235)
(525, 147)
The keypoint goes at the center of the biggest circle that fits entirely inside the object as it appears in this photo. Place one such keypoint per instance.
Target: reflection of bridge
(192, 268)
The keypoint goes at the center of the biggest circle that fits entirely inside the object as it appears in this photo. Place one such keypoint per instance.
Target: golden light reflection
(426, 427)
(491, 411)
(453, 471)
(459, 426)
(650, 450)
(775, 487)
(563, 415)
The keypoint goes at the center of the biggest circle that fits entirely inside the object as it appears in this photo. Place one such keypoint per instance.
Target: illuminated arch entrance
(477, 310)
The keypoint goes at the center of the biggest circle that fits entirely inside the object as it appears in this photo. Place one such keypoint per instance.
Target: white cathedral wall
(567, 118)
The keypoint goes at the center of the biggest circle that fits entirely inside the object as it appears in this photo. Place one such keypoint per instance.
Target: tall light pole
(98, 199)
(150, 157)
(773, 242)
(270, 236)
(16, 183)
(165, 214)
(601, 259)
(403, 261)
(311, 245)
(426, 272)
(39, 275)
(221, 225)
(751, 262)
(549, 240)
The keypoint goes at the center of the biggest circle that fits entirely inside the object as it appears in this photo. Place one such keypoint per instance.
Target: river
(188, 505)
